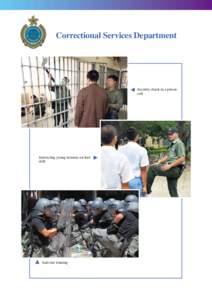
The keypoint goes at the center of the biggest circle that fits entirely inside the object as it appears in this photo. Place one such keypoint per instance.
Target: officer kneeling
(42, 229)
(120, 238)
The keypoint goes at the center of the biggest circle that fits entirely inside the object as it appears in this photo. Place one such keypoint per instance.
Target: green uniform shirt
(175, 151)
(115, 99)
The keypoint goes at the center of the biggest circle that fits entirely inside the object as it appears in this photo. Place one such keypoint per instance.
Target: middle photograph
(152, 156)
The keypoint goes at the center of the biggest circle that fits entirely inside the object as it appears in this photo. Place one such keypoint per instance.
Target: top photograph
(70, 92)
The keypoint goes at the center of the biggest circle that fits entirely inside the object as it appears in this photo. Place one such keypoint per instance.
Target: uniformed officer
(115, 97)
(79, 214)
(79, 220)
(83, 202)
(117, 237)
(61, 102)
(171, 165)
(55, 207)
(89, 209)
(132, 248)
(42, 230)
(101, 217)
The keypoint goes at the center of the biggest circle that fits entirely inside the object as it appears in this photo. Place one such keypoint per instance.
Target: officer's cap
(172, 130)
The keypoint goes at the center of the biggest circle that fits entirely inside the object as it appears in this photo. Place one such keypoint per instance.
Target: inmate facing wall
(73, 91)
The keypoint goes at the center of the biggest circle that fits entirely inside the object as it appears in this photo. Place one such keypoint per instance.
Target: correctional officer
(115, 97)
(61, 102)
(126, 222)
(56, 204)
(89, 210)
(133, 246)
(55, 208)
(171, 165)
(83, 202)
(79, 214)
(118, 236)
(114, 205)
(42, 230)
(101, 217)
(100, 221)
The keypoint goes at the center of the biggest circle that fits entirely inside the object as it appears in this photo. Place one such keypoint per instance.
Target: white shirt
(137, 157)
(115, 168)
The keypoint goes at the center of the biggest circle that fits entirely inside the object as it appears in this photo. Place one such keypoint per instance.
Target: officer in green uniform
(115, 97)
(61, 101)
(171, 165)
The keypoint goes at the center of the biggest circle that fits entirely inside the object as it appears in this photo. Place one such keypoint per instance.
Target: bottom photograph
(80, 223)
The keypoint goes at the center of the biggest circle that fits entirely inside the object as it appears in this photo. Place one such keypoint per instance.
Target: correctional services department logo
(33, 35)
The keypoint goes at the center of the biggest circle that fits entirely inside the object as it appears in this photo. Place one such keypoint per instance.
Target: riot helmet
(133, 207)
(131, 198)
(42, 205)
(83, 202)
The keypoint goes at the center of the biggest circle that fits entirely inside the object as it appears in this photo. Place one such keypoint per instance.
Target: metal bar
(45, 87)
(64, 90)
(32, 89)
(55, 100)
(60, 95)
(69, 86)
(24, 93)
(39, 94)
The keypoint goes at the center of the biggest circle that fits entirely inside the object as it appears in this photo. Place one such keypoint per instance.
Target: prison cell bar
(24, 95)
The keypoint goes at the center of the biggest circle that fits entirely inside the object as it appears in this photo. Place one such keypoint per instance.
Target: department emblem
(33, 35)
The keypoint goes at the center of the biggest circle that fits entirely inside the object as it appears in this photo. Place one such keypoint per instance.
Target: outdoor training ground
(160, 188)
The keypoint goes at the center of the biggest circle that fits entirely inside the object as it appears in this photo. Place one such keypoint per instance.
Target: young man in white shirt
(138, 159)
(115, 168)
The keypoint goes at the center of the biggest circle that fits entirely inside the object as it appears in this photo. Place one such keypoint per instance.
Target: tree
(156, 129)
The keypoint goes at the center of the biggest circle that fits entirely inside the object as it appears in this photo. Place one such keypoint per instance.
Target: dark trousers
(112, 114)
(171, 175)
(58, 116)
